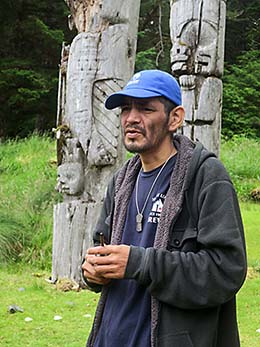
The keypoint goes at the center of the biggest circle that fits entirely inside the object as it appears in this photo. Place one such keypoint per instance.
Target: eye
(146, 109)
(125, 108)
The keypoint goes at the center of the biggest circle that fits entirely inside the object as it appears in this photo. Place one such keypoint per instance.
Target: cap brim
(118, 99)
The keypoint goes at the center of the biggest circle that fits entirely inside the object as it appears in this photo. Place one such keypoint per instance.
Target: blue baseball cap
(147, 84)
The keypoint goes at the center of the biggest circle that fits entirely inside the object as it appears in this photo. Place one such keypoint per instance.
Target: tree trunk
(99, 62)
(197, 56)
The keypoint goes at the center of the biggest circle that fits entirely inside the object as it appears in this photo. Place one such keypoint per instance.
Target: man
(174, 254)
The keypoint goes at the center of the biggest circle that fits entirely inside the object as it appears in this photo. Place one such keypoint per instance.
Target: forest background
(32, 33)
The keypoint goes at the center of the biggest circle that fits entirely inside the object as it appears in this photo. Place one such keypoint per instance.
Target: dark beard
(150, 145)
(134, 148)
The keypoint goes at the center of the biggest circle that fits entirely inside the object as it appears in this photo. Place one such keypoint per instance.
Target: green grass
(241, 157)
(249, 296)
(41, 302)
(27, 195)
(251, 220)
(248, 313)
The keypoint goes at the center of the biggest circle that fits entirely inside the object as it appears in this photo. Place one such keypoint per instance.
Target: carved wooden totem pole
(99, 62)
(197, 58)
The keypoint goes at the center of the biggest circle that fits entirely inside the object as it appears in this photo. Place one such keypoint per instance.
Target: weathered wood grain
(99, 61)
(197, 32)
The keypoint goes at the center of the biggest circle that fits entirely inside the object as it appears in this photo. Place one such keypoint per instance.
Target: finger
(98, 250)
(87, 266)
(104, 281)
(93, 276)
(93, 260)
(104, 250)
(90, 271)
(96, 261)
(91, 250)
(112, 275)
(103, 270)
(98, 280)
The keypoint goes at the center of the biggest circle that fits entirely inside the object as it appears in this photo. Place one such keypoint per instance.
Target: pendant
(139, 219)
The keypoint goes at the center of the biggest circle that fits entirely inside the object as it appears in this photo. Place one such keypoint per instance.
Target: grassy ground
(251, 219)
(249, 296)
(248, 313)
(41, 302)
(241, 157)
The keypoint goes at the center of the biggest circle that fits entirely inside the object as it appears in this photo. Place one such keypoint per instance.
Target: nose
(133, 116)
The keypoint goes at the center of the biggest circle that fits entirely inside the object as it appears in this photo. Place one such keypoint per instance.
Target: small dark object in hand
(101, 239)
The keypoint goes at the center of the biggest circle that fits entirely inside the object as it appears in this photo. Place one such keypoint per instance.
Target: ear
(176, 118)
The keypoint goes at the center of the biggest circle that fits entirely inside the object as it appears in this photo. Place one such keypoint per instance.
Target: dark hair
(168, 105)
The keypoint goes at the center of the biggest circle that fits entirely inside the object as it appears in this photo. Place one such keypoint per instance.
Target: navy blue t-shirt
(126, 320)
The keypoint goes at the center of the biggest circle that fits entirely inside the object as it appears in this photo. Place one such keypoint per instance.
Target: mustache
(134, 127)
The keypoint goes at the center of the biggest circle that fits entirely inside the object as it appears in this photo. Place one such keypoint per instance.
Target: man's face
(144, 125)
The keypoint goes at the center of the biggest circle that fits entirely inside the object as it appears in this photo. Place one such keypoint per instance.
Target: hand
(111, 264)
(91, 275)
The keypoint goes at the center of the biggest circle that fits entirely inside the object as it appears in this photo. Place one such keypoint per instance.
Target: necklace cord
(139, 216)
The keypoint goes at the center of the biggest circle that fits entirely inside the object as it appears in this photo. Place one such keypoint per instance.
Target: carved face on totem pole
(196, 33)
(70, 179)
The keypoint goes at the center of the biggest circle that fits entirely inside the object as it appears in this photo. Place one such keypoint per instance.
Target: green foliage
(241, 157)
(32, 35)
(154, 43)
(27, 181)
(241, 96)
(24, 98)
(242, 28)
(47, 52)
(10, 239)
(145, 60)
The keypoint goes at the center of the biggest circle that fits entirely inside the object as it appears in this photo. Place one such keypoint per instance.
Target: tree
(154, 43)
(32, 35)
(241, 97)
(242, 28)
(242, 70)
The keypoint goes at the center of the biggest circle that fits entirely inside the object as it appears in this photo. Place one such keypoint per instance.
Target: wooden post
(197, 57)
(99, 61)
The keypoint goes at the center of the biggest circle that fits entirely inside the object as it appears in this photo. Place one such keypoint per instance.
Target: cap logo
(135, 79)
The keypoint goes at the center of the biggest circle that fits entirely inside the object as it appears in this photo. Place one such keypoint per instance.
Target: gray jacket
(198, 261)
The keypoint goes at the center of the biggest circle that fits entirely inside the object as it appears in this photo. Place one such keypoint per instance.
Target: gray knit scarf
(123, 190)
